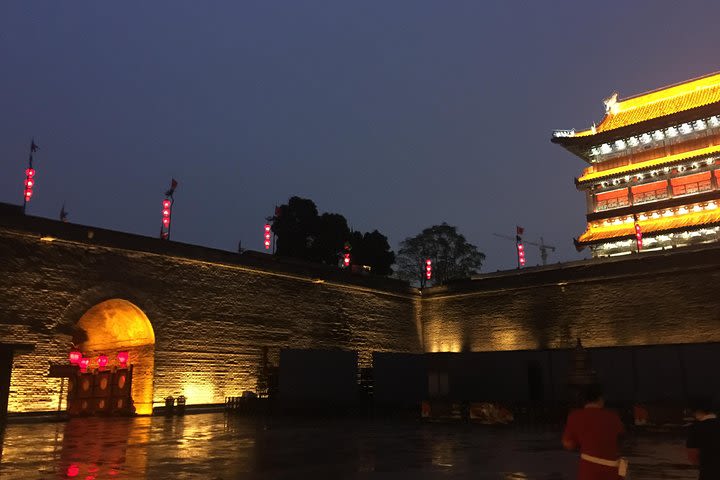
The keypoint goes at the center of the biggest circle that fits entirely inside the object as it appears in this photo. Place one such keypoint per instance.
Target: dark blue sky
(397, 114)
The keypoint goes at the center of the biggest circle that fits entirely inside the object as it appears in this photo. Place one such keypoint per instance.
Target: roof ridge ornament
(611, 103)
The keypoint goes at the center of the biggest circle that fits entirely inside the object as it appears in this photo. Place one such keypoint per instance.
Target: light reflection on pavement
(213, 446)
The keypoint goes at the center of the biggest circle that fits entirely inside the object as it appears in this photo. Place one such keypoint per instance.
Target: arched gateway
(118, 325)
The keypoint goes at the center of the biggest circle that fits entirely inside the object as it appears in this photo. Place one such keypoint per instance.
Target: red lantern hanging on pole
(166, 211)
(29, 183)
(167, 205)
(521, 254)
(29, 176)
(520, 247)
(428, 269)
(268, 236)
(346, 255)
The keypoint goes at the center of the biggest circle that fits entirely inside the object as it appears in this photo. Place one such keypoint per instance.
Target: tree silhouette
(452, 256)
(372, 249)
(330, 236)
(302, 233)
(295, 225)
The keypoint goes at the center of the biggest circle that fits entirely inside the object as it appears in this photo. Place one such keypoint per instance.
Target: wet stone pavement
(216, 446)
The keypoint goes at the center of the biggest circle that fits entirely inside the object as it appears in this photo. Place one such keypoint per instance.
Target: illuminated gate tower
(654, 162)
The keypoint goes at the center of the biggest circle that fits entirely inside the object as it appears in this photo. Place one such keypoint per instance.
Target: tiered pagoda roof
(659, 103)
(672, 224)
(653, 166)
(648, 111)
(590, 174)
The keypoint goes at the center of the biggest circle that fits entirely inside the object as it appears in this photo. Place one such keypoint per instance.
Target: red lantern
(428, 269)
(638, 236)
(73, 470)
(166, 214)
(521, 254)
(75, 357)
(29, 183)
(268, 236)
(123, 358)
(102, 361)
(84, 362)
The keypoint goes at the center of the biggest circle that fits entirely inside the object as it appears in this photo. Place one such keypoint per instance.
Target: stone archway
(115, 325)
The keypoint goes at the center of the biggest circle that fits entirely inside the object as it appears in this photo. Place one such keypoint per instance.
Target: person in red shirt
(595, 431)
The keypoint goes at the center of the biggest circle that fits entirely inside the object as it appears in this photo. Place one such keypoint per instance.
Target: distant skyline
(398, 115)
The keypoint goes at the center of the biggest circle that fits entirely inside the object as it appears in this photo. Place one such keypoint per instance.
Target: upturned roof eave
(578, 145)
(631, 236)
(671, 160)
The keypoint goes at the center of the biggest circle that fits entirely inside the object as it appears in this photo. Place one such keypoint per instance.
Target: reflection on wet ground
(214, 446)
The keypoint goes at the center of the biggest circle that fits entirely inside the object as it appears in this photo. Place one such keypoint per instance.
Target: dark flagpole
(63, 213)
(172, 203)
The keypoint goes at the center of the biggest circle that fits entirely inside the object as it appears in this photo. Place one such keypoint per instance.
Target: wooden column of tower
(653, 159)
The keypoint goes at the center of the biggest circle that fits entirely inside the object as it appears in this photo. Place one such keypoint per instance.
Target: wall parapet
(12, 220)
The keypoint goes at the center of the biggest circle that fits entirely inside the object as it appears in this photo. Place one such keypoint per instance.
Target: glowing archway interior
(116, 325)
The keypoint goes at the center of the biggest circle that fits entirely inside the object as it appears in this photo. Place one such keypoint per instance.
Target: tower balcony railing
(611, 204)
(651, 196)
(663, 193)
(692, 188)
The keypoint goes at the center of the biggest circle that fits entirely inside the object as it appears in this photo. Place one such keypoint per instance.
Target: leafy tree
(372, 249)
(295, 225)
(451, 254)
(330, 236)
(302, 233)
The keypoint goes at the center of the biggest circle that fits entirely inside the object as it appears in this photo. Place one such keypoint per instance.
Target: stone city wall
(212, 312)
(211, 316)
(655, 298)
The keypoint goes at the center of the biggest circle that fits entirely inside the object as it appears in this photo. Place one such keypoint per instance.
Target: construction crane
(542, 246)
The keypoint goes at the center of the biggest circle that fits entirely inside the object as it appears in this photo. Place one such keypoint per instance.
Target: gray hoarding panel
(659, 375)
(399, 378)
(700, 367)
(614, 367)
(318, 375)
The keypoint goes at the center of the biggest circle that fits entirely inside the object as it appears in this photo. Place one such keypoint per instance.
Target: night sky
(396, 114)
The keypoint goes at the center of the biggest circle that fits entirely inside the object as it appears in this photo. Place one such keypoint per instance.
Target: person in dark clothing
(703, 442)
